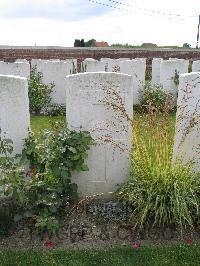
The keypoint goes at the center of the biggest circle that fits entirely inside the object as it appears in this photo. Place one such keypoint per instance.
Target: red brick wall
(12, 53)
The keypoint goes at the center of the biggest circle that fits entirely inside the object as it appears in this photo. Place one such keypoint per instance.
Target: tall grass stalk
(161, 192)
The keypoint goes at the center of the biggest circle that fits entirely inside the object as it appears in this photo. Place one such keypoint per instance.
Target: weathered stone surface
(92, 104)
(14, 110)
(55, 72)
(156, 71)
(21, 69)
(196, 66)
(167, 74)
(187, 137)
(21, 61)
(91, 65)
(136, 68)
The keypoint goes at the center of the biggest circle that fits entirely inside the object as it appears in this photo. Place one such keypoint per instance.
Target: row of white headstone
(101, 103)
(54, 71)
(163, 73)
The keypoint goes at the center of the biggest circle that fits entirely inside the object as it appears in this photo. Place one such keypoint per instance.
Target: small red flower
(135, 245)
(49, 244)
(30, 172)
(189, 242)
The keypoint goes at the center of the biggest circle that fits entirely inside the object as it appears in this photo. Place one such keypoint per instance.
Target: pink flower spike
(135, 245)
(49, 244)
(189, 242)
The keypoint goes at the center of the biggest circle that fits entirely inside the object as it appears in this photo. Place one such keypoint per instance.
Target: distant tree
(149, 45)
(90, 43)
(186, 45)
(77, 43)
(82, 43)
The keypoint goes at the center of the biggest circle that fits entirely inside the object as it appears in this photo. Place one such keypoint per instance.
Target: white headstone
(91, 65)
(35, 62)
(55, 72)
(90, 102)
(14, 110)
(187, 137)
(167, 74)
(21, 61)
(21, 69)
(111, 65)
(156, 71)
(196, 66)
(137, 69)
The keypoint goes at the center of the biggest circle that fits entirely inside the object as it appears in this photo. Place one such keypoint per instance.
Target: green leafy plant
(39, 93)
(45, 191)
(190, 67)
(46, 222)
(154, 96)
(176, 78)
(148, 74)
(55, 110)
(7, 212)
(10, 171)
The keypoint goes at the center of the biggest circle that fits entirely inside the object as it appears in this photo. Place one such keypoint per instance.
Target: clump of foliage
(155, 97)
(190, 67)
(7, 213)
(45, 190)
(161, 192)
(148, 75)
(39, 93)
(83, 43)
(176, 78)
(54, 110)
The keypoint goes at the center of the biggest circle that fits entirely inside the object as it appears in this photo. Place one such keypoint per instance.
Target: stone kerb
(196, 66)
(55, 72)
(96, 102)
(21, 69)
(156, 71)
(187, 137)
(14, 110)
(168, 68)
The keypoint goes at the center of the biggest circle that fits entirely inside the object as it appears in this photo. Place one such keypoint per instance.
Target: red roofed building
(101, 44)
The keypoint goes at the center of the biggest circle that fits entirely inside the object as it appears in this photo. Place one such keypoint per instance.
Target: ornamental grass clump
(162, 193)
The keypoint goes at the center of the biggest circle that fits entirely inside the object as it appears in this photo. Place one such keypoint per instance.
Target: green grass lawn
(44, 122)
(39, 123)
(155, 256)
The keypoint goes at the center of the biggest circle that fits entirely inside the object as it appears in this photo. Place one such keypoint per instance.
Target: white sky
(59, 22)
